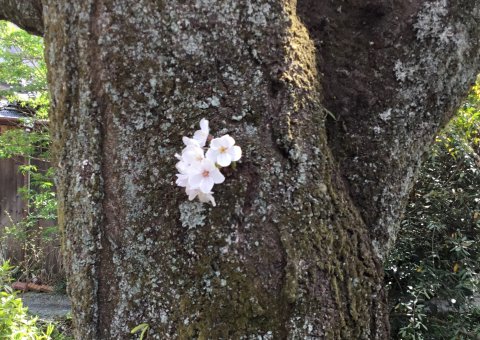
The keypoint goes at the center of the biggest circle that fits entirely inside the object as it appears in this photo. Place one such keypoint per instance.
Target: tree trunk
(293, 248)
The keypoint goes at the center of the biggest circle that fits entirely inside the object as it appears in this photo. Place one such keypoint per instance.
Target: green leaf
(143, 327)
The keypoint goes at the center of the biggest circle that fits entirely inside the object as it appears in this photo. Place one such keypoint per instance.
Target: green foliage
(433, 273)
(23, 69)
(15, 323)
(25, 143)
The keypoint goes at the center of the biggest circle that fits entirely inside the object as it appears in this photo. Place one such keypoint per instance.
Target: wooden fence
(33, 253)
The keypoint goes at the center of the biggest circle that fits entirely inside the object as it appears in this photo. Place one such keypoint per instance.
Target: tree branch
(387, 77)
(26, 14)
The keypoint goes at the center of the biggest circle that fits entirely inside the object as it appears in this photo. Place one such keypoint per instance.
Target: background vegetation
(23, 69)
(15, 324)
(433, 272)
(23, 79)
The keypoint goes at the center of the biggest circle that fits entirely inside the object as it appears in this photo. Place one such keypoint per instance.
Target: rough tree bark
(294, 247)
(26, 14)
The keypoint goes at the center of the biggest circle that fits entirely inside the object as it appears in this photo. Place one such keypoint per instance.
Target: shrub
(14, 321)
(433, 273)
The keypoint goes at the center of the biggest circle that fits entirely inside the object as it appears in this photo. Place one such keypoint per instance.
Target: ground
(46, 306)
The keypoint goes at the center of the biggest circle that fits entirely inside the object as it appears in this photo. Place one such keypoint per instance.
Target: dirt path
(45, 305)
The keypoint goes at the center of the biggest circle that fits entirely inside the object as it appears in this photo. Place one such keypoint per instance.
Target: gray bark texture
(26, 14)
(294, 248)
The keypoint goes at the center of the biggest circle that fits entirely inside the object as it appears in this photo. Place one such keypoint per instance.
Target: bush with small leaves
(433, 272)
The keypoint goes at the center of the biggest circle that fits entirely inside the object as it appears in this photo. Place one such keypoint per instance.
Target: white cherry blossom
(190, 141)
(181, 165)
(182, 180)
(201, 135)
(192, 155)
(204, 176)
(202, 197)
(223, 151)
(198, 171)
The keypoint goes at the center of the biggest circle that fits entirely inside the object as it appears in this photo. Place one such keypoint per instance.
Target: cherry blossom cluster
(199, 166)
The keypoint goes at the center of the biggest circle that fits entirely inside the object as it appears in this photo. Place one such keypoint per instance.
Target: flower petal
(216, 143)
(212, 200)
(208, 165)
(229, 141)
(204, 125)
(200, 137)
(192, 193)
(189, 141)
(193, 155)
(206, 185)
(182, 180)
(181, 166)
(212, 155)
(204, 198)
(224, 159)
(194, 181)
(217, 176)
(236, 153)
